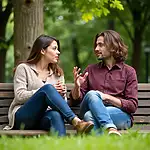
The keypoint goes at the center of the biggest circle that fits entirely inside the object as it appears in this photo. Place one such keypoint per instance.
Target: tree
(140, 18)
(90, 8)
(139, 15)
(28, 21)
(5, 11)
(28, 25)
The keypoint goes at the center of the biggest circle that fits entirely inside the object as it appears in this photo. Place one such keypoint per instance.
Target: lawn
(131, 141)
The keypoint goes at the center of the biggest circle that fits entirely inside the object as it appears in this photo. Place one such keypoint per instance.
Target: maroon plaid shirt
(120, 81)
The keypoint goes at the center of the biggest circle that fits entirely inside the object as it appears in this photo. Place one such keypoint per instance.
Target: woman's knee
(48, 86)
(55, 115)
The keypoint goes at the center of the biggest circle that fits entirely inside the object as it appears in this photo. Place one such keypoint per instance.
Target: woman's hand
(78, 78)
(61, 88)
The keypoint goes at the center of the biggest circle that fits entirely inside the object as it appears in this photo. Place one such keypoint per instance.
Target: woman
(40, 92)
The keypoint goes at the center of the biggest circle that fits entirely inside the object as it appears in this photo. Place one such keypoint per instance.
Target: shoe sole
(115, 133)
(87, 129)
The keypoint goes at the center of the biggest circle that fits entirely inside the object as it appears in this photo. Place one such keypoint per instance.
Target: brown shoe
(84, 127)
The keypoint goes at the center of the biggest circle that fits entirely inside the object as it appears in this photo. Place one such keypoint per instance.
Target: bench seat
(141, 117)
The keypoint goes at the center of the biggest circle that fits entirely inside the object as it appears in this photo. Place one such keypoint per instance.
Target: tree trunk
(4, 16)
(136, 55)
(2, 52)
(75, 50)
(111, 24)
(2, 64)
(137, 42)
(28, 25)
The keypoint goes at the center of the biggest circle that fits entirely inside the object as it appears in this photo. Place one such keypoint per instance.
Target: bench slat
(6, 86)
(4, 111)
(24, 132)
(7, 94)
(141, 119)
(4, 119)
(143, 111)
(137, 119)
(141, 127)
(5, 102)
(9, 86)
(143, 87)
(144, 103)
(143, 95)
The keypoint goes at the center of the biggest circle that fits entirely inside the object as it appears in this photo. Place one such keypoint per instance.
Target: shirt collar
(118, 64)
(33, 67)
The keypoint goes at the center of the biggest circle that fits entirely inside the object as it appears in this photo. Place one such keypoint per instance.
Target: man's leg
(93, 102)
(121, 119)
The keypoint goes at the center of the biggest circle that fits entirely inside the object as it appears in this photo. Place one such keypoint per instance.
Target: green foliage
(93, 8)
(63, 20)
(65, 25)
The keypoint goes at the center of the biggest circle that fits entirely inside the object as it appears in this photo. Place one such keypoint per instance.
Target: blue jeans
(103, 117)
(34, 114)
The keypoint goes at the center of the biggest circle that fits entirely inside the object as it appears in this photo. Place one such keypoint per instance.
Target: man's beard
(100, 58)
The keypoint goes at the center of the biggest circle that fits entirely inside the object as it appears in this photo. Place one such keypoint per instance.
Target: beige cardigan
(26, 83)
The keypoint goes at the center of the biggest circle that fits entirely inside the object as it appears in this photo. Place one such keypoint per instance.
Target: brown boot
(84, 127)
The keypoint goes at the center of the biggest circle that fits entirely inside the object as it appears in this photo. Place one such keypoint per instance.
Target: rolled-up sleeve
(130, 102)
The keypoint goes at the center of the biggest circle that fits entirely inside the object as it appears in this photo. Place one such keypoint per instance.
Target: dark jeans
(34, 114)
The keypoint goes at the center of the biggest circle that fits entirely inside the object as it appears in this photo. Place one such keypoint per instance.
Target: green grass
(131, 141)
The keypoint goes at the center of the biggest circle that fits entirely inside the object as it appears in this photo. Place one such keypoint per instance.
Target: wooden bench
(141, 117)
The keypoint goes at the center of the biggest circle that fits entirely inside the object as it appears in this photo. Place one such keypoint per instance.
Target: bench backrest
(142, 115)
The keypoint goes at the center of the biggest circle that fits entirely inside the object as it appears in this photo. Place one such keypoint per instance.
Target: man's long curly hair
(114, 44)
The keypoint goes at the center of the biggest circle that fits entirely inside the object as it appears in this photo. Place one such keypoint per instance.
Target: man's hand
(105, 97)
(108, 99)
(78, 78)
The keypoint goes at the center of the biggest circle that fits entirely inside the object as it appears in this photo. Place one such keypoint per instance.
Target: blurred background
(76, 33)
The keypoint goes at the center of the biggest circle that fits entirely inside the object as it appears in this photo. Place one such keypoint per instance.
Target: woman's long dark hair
(42, 42)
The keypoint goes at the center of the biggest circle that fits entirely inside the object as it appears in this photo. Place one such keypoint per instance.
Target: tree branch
(129, 4)
(87, 58)
(9, 41)
(146, 17)
(125, 26)
(7, 11)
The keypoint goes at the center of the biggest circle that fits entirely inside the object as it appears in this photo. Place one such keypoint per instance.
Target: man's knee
(92, 96)
(88, 116)
(91, 93)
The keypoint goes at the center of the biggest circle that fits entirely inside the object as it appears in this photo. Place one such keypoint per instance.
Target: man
(107, 90)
